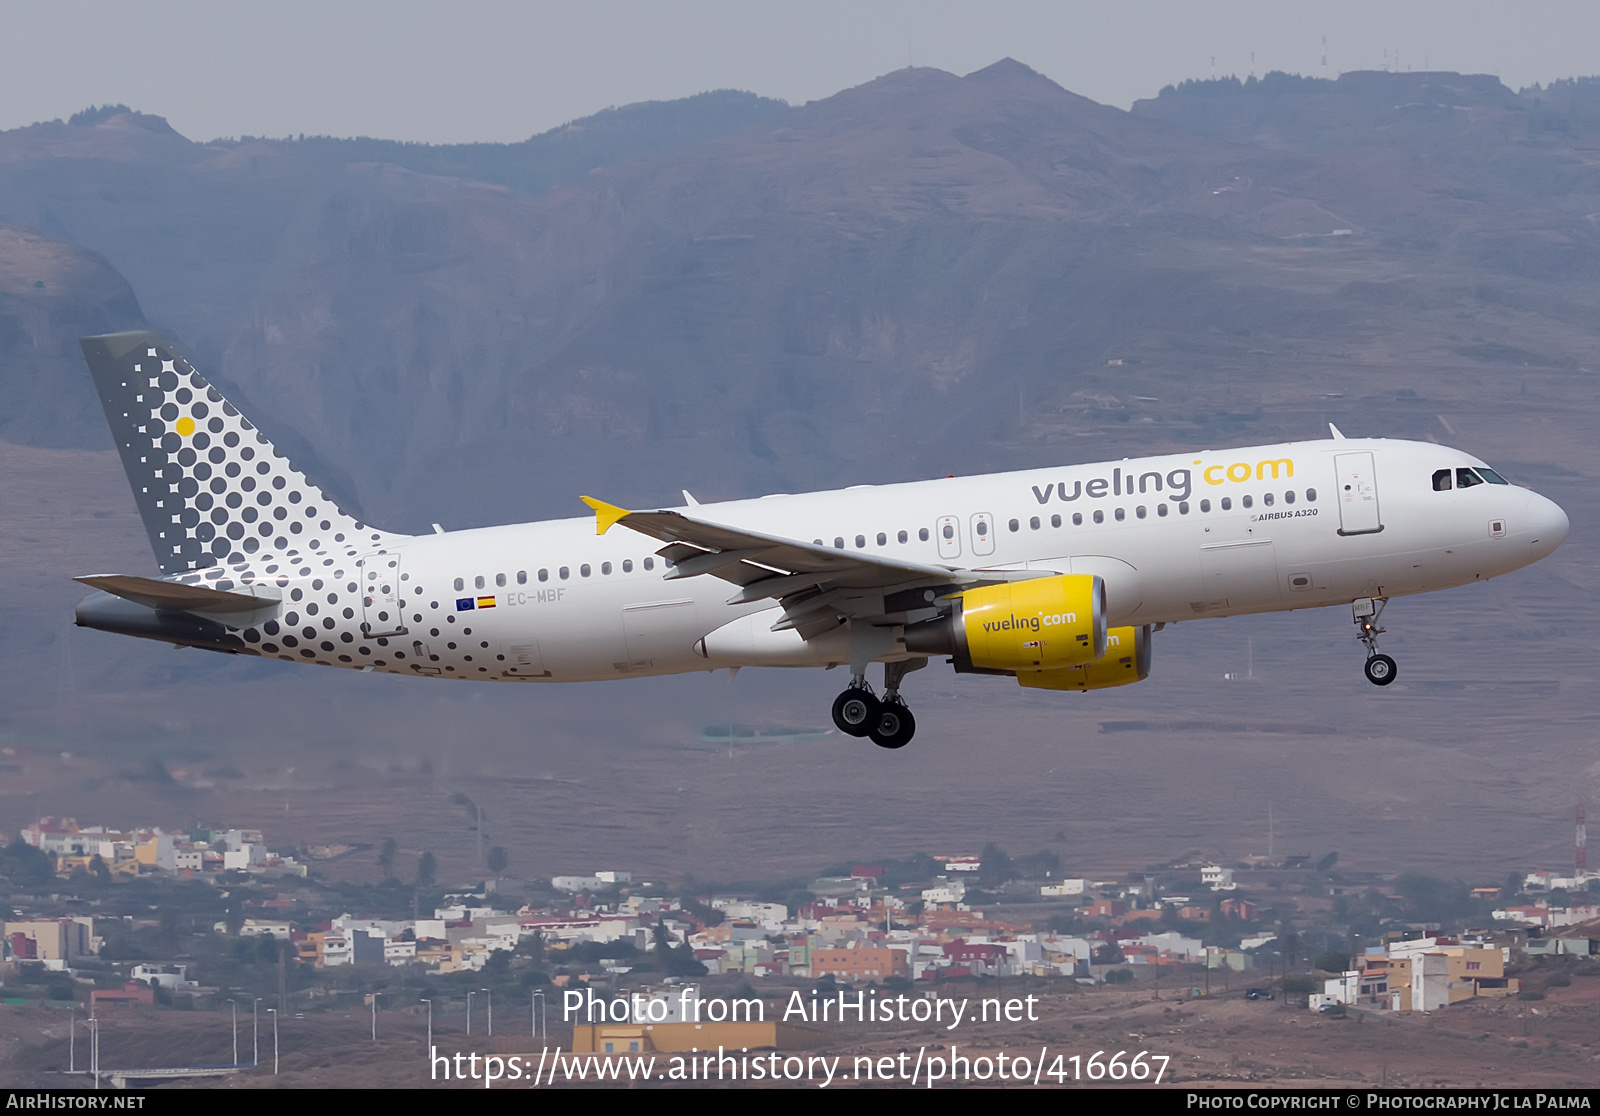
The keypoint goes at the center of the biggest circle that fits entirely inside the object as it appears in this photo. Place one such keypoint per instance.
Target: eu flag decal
(485, 602)
(465, 604)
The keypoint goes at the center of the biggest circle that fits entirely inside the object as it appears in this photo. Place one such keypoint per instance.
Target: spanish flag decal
(485, 602)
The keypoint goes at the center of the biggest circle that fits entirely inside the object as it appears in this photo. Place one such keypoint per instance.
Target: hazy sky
(493, 70)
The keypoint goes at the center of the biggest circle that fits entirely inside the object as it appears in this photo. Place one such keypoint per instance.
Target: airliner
(1058, 577)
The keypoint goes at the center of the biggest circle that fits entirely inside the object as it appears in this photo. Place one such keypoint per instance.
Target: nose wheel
(887, 720)
(1379, 669)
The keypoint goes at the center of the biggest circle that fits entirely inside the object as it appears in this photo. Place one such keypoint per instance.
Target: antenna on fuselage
(1338, 435)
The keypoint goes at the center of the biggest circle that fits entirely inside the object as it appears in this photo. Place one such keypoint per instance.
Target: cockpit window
(1466, 478)
(1491, 476)
(1441, 480)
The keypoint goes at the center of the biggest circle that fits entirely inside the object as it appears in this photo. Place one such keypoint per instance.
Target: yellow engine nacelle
(1127, 659)
(1044, 623)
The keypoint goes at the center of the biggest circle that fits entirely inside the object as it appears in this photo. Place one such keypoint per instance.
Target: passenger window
(838, 542)
(1033, 523)
(1139, 511)
(1288, 497)
(563, 573)
(1311, 495)
(627, 565)
(1466, 478)
(883, 540)
(902, 536)
(584, 569)
(500, 580)
(1441, 480)
(983, 528)
(460, 585)
(1161, 510)
(477, 582)
(1055, 521)
(1099, 517)
(1077, 519)
(923, 534)
(1248, 502)
(861, 541)
(1121, 515)
(949, 531)
(1227, 503)
(1267, 499)
(1183, 507)
(1013, 526)
(649, 563)
(522, 577)
(544, 575)
(605, 568)
(1205, 505)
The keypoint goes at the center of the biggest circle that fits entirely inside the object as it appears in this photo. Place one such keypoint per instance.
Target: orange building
(857, 962)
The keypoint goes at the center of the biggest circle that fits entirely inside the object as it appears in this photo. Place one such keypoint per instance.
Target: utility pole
(430, 1025)
(375, 996)
(255, 1027)
(235, 1004)
(274, 1012)
(489, 1000)
(469, 1013)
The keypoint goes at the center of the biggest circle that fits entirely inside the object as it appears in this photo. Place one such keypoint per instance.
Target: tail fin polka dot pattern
(211, 488)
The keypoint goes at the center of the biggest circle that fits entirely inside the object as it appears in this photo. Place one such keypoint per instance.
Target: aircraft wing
(815, 583)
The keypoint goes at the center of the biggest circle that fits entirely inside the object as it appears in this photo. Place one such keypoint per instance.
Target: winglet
(1338, 435)
(605, 515)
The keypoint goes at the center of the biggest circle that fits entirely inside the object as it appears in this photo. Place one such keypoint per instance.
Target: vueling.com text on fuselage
(1175, 484)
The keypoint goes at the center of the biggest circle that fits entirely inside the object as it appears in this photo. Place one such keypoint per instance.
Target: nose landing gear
(1379, 669)
(887, 721)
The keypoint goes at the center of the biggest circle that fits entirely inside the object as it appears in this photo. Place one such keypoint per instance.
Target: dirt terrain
(1224, 1041)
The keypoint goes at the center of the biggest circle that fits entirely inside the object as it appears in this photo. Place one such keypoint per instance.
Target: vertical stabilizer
(210, 487)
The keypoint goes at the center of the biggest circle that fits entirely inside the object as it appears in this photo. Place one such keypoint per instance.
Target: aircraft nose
(1547, 523)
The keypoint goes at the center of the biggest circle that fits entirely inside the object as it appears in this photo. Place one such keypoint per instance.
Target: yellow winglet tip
(605, 515)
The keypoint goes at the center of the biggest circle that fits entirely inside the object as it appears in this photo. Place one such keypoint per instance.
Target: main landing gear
(1379, 669)
(887, 720)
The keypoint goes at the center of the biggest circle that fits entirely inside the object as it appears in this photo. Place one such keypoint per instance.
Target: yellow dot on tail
(185, 426)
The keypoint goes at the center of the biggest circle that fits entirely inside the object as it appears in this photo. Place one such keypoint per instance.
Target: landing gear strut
(887, 721)
(1379, 669)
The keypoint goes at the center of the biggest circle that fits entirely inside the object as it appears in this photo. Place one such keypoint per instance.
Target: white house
(164, 976)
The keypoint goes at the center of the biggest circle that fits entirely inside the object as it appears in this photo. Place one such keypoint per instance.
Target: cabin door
(1358, 494)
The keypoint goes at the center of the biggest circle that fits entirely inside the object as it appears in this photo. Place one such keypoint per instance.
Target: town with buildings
(157, 919)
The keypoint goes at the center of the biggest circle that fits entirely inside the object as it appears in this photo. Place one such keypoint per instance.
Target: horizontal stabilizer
(174, 597)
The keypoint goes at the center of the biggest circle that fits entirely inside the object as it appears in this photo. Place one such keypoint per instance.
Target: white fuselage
(1178, 537)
